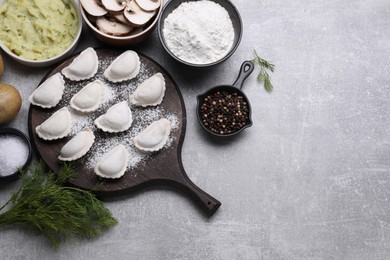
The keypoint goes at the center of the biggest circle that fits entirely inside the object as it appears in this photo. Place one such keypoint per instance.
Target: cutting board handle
(208, 203)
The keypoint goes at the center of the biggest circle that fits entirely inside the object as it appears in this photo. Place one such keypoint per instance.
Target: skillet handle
(208, 203)
(245, 70)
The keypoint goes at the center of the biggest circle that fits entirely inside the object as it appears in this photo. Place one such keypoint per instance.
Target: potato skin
(1, 66)
(10, 103)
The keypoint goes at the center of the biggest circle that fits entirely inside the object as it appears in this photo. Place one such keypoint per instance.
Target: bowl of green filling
(39, 33)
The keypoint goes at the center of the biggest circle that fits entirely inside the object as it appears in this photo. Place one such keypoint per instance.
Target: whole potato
(1, 66)
(10, 103)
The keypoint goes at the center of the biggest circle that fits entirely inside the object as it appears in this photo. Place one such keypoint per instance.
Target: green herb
(43, 204)
(263, 74)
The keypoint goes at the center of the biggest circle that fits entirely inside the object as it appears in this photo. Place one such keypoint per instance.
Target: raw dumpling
(125, 67)
(150, 93)
(118, 118)
(89, 98)
(49, 93)
(154, 137)
(56, 126)
(114, 163)
(83, 66)
(78, 146)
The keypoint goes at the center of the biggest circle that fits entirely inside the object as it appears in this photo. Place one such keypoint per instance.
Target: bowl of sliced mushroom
(121, 22)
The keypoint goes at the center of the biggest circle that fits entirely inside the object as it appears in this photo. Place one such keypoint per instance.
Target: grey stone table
(309, 180)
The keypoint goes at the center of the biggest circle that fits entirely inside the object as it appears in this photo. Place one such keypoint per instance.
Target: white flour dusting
(199, 32)
(114, 93)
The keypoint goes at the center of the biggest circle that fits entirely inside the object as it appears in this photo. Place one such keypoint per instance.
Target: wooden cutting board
(163, 167)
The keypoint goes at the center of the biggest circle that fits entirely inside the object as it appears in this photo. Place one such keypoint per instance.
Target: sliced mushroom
(120, 18)
(114, 5)
(149, 5)
(136, 16)
(93, 8)
(112, 28)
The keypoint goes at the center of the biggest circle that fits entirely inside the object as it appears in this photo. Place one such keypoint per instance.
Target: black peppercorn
(224, 113)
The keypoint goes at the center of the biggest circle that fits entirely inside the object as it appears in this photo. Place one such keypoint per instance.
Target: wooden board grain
(162, 167)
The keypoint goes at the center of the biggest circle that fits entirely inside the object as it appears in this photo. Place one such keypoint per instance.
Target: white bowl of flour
(200, 33)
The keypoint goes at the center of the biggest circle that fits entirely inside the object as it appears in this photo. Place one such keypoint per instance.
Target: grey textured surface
(309, 180)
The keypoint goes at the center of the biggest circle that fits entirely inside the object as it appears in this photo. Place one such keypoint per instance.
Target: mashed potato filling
(38, 29)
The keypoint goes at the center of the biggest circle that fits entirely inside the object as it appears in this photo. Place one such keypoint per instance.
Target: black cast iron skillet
(245, 70)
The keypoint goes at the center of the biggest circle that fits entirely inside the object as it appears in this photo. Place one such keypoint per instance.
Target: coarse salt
(13, 154)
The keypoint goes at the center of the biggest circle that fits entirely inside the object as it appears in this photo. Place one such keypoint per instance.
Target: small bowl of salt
(200, 33)
(15, 153)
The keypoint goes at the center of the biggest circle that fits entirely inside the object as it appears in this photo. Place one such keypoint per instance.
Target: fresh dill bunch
(44, 205)
(263, 74)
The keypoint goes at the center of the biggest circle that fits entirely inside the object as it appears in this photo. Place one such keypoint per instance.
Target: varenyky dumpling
(89, 98)
(150, 92)
(49, 93)
(125, 67)
(154, 137)
(78, 146)
(118, 118)
(84, 66)
(114, 163)
(56, 126)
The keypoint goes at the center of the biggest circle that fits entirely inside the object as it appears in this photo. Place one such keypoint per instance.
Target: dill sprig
(263, 74)
(44, 205)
